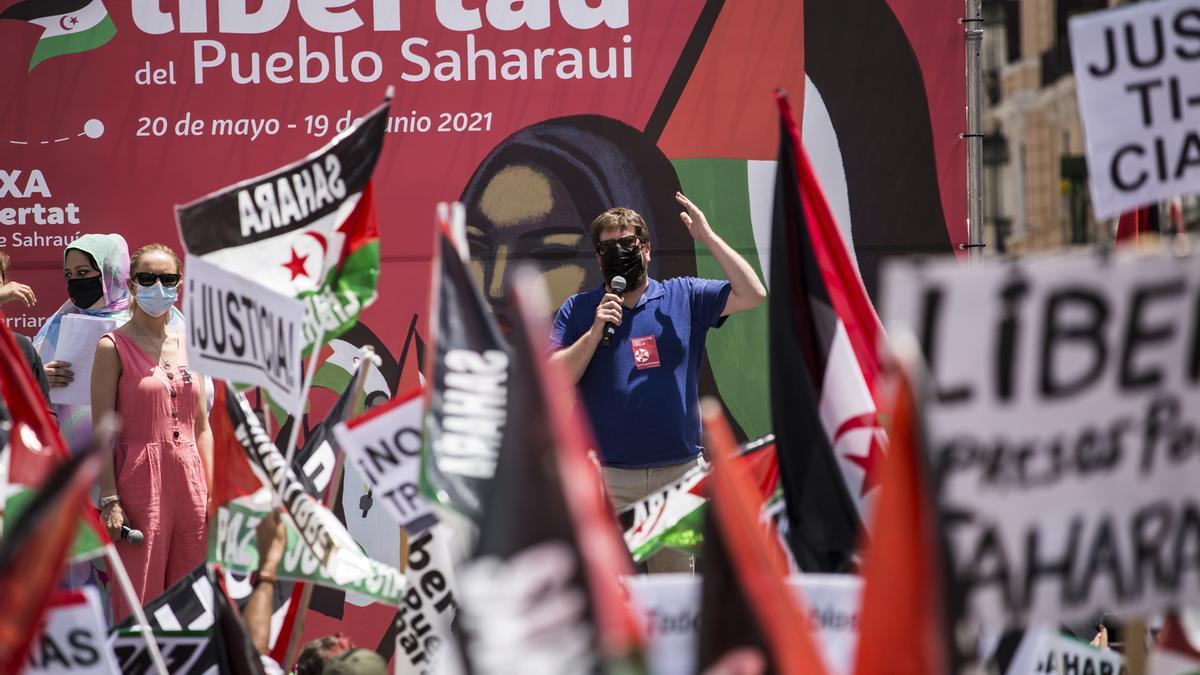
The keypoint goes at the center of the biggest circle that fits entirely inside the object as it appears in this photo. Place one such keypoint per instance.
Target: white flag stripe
(260, 260)
(73, 22)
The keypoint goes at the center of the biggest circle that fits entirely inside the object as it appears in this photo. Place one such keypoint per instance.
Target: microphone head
(135, 537)
(617, 285)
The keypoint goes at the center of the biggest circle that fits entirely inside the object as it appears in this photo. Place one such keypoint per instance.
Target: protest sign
(423, 621)
(670, 607)
(241, 331)
(323, 550)
(77, 338)
(1044, 650)
(73, 638)
(1137, 74)
(1061, 430)
(385, 447)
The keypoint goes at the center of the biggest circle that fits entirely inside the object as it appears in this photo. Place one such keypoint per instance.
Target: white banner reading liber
(242, 332)
(1062, 429)
(1137, 74)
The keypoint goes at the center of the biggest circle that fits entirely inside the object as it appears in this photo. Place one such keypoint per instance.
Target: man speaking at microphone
(640, 388)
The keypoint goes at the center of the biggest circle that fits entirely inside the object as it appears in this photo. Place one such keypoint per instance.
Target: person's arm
(106, 373)
(271, 540)
(575, 358)
(202, 431)
(745, 290)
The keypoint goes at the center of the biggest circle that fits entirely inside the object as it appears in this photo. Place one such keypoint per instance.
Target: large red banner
(538, 114)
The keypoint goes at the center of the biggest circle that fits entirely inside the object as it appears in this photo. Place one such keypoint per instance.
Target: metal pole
(974, 135)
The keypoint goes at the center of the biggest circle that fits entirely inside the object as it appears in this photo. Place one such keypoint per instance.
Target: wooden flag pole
(1135, 647)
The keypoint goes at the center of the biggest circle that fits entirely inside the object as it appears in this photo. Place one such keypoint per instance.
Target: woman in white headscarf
(96, 268)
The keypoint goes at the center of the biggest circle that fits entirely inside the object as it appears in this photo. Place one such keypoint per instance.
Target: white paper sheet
(77, 338)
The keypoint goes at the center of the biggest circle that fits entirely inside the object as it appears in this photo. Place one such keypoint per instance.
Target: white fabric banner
(384, 447)
(242, 332)
(670, 607)
(74, 640)
(423, 621)
(1137, 75)
(1062, 428)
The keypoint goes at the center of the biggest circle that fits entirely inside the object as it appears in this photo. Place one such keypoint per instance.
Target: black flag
(823, 332)
(529, 594)
(468, 386)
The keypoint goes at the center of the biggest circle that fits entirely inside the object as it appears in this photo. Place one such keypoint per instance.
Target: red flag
(36, 447)
(236, 477)
(744, 573)
(1133, 224)
(35, 549)
(900, 572)
(36, 444)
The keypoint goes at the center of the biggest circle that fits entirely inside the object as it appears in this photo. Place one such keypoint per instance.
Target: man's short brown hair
(5, 261)
(618, 219)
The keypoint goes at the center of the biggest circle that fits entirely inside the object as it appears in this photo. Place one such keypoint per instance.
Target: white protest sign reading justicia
(74, 639)
(670, 606)
(1063, 430)
(384, 446)
(1137, 74)
(240, 331)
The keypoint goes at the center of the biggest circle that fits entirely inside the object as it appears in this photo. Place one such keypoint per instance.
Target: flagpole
(122, 577)
(298, 414)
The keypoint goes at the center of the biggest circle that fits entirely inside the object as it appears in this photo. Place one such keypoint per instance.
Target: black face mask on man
(622, 262)
(85, 292)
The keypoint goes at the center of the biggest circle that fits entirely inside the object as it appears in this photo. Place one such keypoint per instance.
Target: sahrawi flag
(468, 377)
(306, 231)
(70, 26)
(673, 517)
(824, 338)
(542, 592)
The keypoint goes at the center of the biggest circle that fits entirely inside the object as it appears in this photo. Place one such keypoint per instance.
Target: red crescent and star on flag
(297, 265)
(68, 22)
(870, 462)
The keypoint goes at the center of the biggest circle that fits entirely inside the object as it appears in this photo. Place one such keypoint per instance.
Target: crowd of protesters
(156, 479)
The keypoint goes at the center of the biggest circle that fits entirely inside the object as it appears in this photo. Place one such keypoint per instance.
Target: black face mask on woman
(85, 292)
(622, 262)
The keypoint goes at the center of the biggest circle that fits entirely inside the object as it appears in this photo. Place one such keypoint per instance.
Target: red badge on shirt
(645, 352)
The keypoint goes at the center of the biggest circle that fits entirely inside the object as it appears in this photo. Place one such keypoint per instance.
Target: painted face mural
(533, 197)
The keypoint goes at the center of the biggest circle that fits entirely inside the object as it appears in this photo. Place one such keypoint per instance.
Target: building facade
(1034, 174)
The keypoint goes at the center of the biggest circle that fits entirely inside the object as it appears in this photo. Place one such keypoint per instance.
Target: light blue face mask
(156, 300)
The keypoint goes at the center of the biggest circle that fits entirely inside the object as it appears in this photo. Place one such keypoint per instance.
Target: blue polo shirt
(642, 391)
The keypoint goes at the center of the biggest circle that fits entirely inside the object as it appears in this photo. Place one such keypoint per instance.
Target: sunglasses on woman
(149, 278)
(630, 243)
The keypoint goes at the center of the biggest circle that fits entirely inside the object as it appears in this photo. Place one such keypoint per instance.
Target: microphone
(618, 288)
(134, 537)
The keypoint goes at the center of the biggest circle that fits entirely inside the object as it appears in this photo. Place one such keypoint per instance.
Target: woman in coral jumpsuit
(155, 479)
